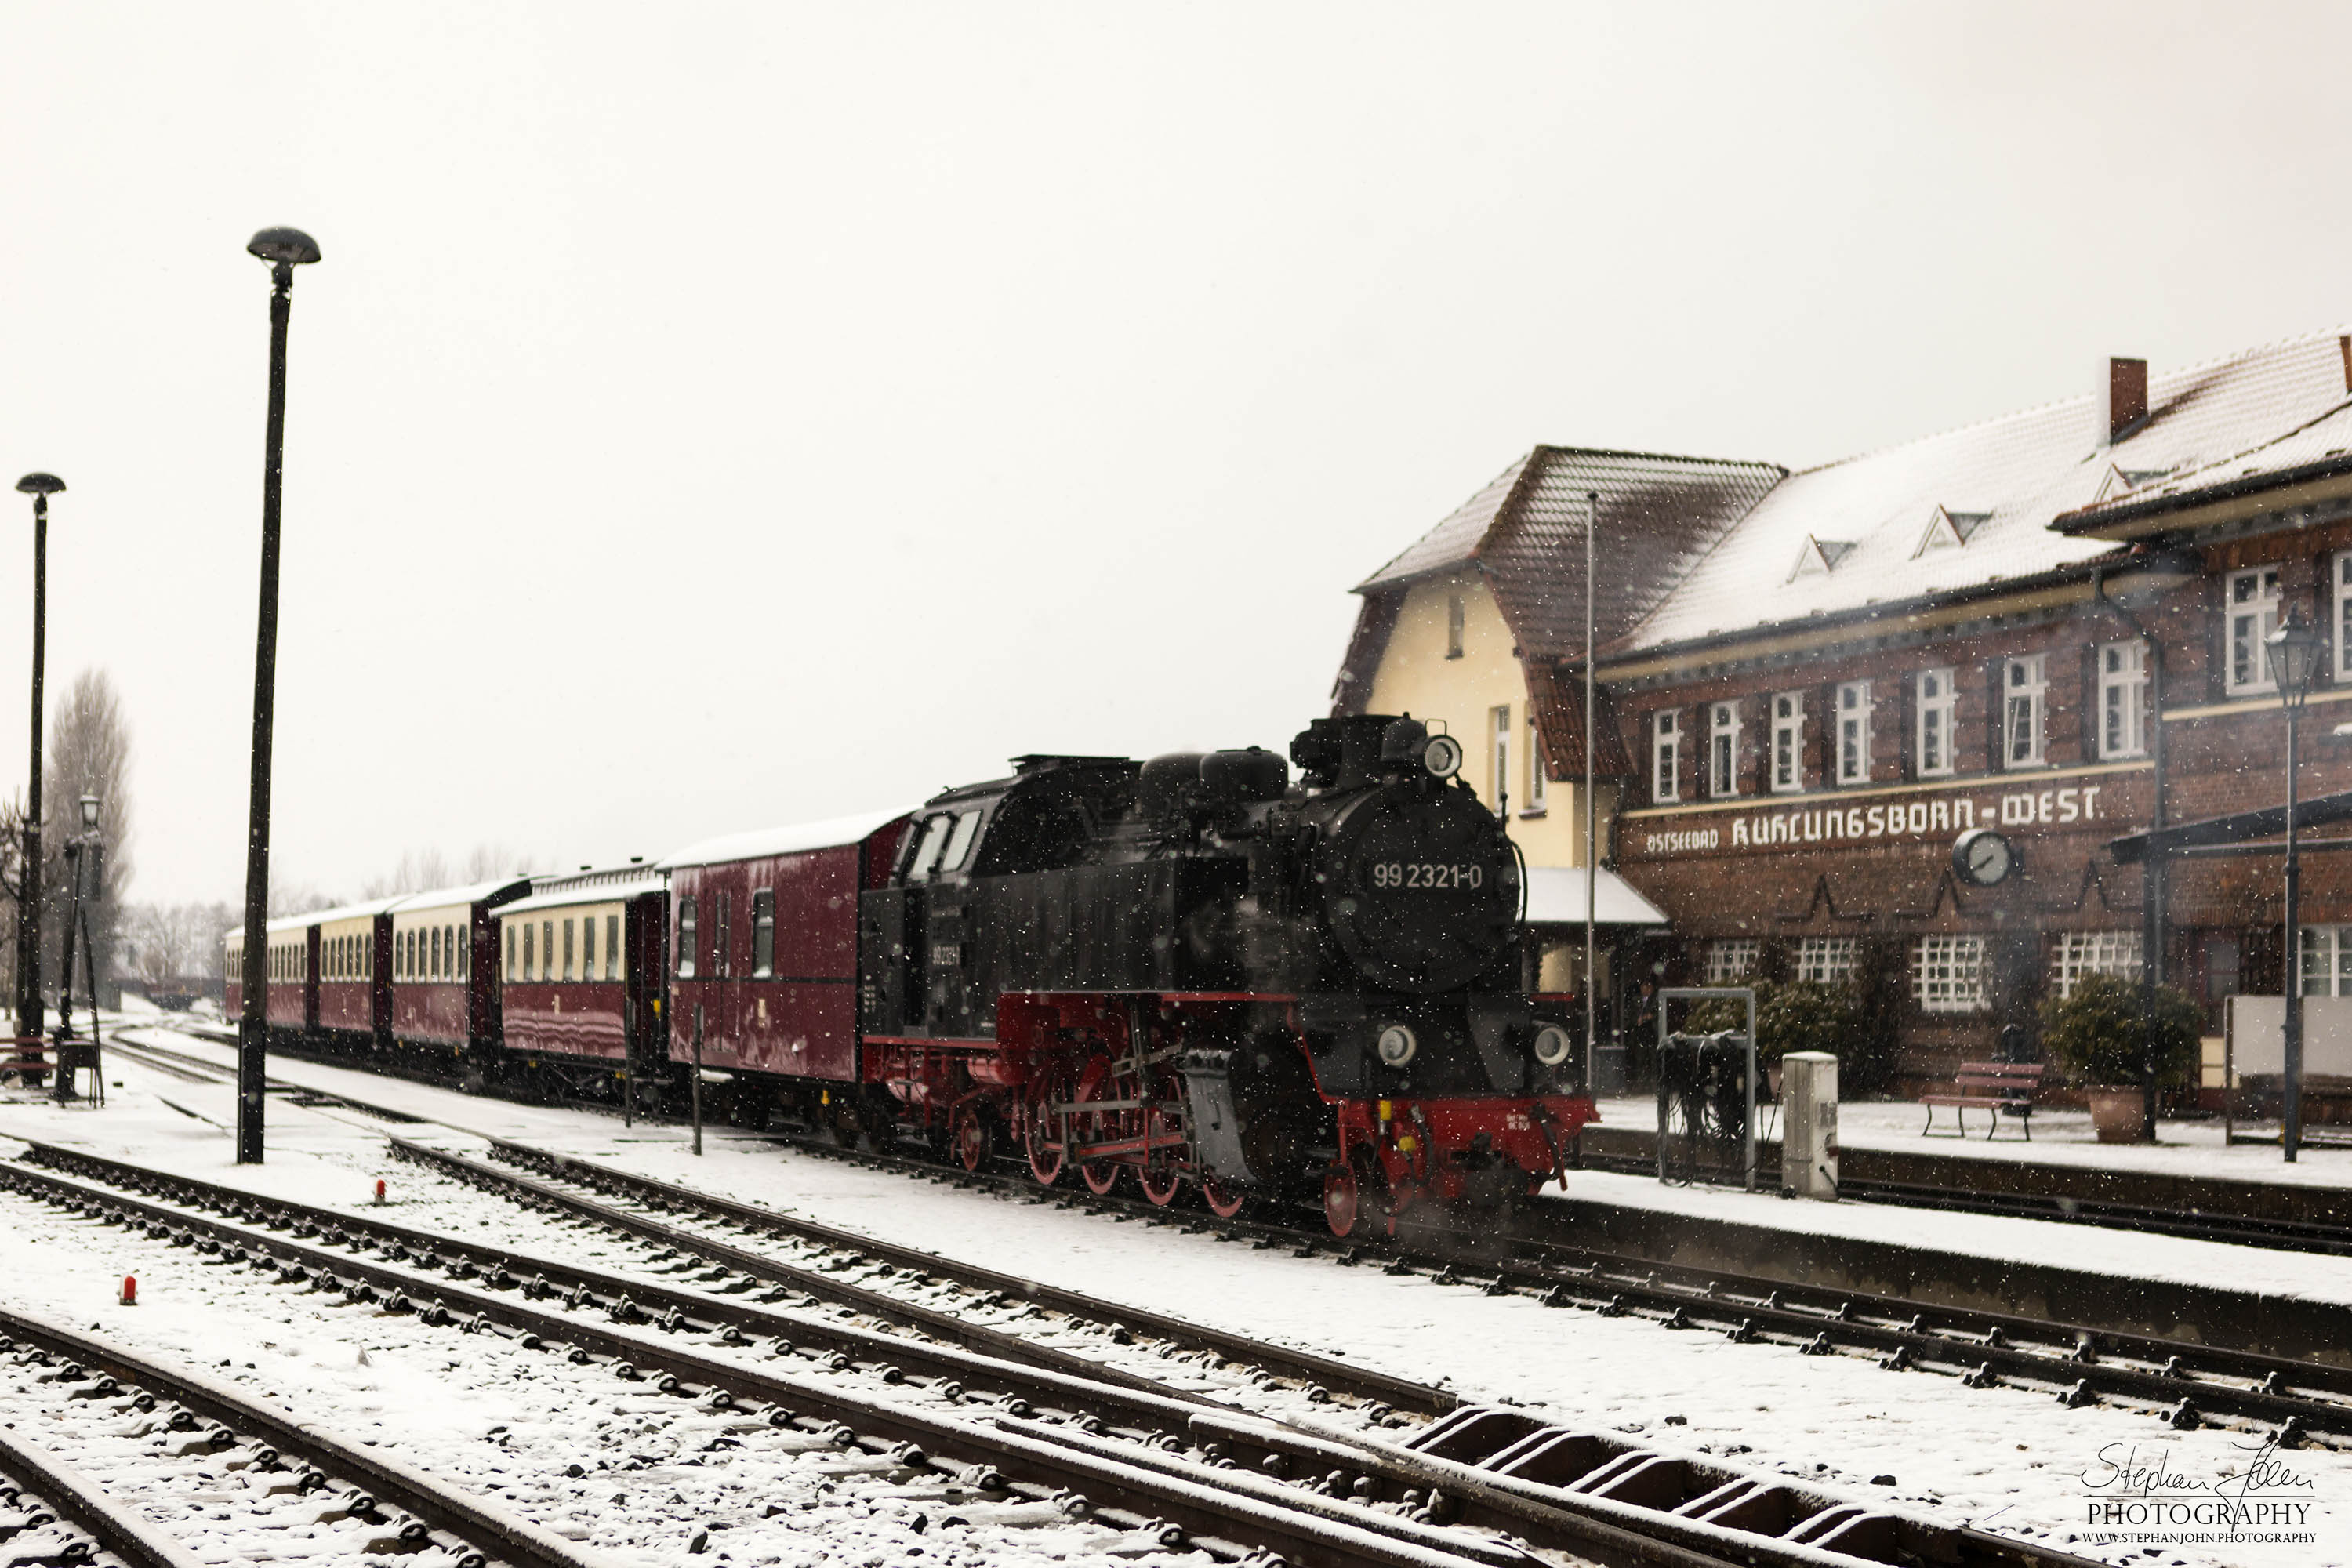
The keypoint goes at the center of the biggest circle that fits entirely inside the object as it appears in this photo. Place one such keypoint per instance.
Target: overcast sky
(707, 418)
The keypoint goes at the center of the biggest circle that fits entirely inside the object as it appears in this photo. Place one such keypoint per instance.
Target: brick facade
(1870, 858)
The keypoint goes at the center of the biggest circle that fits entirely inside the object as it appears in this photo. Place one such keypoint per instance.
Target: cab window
(959, 842)
(927, 853)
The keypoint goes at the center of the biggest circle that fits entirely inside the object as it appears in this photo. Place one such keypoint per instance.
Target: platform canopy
(1556, 897)
(2238, 827)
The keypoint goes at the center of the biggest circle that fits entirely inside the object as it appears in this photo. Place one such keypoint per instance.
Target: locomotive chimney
(2127, 396)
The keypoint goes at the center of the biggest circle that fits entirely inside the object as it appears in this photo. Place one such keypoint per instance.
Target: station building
(2049, 624)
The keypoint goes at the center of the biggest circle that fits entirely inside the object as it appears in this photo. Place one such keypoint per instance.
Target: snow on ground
(2007, 1459)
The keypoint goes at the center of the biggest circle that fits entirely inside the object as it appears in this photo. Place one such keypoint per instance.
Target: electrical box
(1809, 1108)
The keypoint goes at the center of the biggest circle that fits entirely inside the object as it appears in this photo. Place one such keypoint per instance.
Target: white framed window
(2123, 698)
(1788, 742)
(2253, 600)
(1947, 973)
(2024, 695)
(2341, 597)
(2081, 952)
(1499, 722)
(1536, 780)
(1853, 732)
(1828, 960)
(1723, 749)
(1731, 959)
(2326, 961)
(1666, 754)
(1938, 701)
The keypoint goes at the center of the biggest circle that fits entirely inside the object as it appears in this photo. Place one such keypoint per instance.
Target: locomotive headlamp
(1441, 756)
(1551, 1045)
(1398, 1044)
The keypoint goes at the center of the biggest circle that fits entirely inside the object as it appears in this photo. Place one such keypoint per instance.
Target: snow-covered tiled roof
(2325, 443)
(2021, 472)
(1525, 531)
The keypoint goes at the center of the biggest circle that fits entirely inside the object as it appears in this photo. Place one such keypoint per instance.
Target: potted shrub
(2095, 1033)
(1790, 1015)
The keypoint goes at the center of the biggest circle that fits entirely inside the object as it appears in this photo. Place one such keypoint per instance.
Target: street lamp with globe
(2292, 652)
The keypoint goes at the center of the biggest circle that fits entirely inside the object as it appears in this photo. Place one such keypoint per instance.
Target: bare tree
(88, 754)
(486, 862)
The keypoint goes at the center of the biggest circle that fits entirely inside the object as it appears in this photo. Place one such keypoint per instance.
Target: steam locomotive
(1194, 971)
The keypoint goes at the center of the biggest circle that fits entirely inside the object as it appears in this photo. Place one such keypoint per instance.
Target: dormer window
(1820, 557)
(1948, 529)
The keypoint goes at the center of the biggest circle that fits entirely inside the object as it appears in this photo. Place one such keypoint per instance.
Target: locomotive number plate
(1426, 874)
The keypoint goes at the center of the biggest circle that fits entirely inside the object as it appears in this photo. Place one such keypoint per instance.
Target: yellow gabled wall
(1416, 677)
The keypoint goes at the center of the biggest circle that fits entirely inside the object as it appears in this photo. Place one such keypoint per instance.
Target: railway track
(96, 1386)
(2182, 1383)
(1163, 1463)
(39, 1488)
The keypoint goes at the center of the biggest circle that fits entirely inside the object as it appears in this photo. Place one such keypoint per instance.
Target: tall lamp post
(2293, 651)
(40, 486)
(284, 250)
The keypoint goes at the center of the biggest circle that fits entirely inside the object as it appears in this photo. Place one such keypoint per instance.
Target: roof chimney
(2127, 396)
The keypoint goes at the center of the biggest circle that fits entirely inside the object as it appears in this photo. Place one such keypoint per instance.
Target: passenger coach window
(588, 948)
(568, 924)
(763, 935)
(722, 937)
(528, 947)
(547, 950)
(612, 947)
(510, 951)
(686, 944)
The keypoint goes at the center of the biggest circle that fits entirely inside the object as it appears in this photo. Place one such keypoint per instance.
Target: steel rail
(945, 1326)
(1497, 1502)
(1080, 1386)
(1226, 1511)
(437, 1503)
(112, 1526)
(1325, 1371)
(1591, 1529)
(2184, 1381)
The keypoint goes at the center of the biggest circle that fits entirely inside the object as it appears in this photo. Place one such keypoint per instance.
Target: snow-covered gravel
(2007, 1459)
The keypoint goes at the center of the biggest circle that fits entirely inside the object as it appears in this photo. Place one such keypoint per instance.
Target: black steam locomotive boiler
(1200, 971)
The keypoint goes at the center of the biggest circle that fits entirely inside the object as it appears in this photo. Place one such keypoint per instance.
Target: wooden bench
(24, 1057)
(1995, 1085)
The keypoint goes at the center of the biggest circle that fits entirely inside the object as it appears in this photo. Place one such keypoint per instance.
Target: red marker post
(379, 1190)
(130, 1290)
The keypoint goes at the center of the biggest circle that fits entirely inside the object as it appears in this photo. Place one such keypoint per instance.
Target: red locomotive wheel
(1160, 1178)
(1225, 1202)
(971, 1139)
(1342, 1200)
(1040, 1138)
(1101, 1177)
